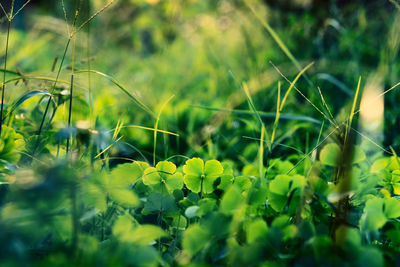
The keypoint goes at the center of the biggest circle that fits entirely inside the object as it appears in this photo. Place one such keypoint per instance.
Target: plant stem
(4, 76)
(70, 112)
(89, 68)
(50, 97)
(71, 96)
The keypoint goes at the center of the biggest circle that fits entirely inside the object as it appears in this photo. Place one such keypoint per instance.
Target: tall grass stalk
(72, 79)
(278, 113)
(70, 37)
(156, 128)
(71, 97)
(91, 119)
(9, 20)
(4, 75)
(39, 132)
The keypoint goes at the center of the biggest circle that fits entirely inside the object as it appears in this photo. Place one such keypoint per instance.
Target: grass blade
(123, 89)
(293, 83)
(283, 116)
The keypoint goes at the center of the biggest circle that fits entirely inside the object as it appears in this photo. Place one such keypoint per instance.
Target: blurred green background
(188, 61)
(201, 52)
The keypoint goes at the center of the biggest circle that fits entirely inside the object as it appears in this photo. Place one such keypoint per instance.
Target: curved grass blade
(284, 116)
(40, 78)
(293, 83)
(156, 127)
(147, 128)
(26, 97)
(279, 41)
(329, 78)
(10, 72)
(123, 89)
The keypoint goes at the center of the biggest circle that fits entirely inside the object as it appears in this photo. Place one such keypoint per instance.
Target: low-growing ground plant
(199, 133)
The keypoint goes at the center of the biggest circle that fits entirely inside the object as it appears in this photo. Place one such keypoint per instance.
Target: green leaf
(243, 183)
(191, 212)
(151, 176)
(199, 177)
(179, 221)
(226, 181)
(370, 256)
(359, 155)
(192, 182)
(25, 97)
(174, 182)
(124, 197)
(373, 217)
(231, 200)
(258, 194)
(160, 203)
(395, 182)
(379, 164)
(256, 230)
(192, 197)
(283, 223)
(128, 231)
(165, 168)
(329, 154)
(194, 167)
(392, 208)
(281, 166)
(206, 205)
(145, 234)
(123, 227)
(195, 239)
(281, 188)
(163, 178)
(93, 195)
(208, 184)
(213, 168)
(125, 175)
(10, 143)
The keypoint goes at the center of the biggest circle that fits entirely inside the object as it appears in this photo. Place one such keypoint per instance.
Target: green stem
(4, 76)
(70, 96)
(50, 98)
(70, 112)
(201, 188)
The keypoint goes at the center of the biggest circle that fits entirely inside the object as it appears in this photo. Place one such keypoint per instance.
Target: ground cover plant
(200, 133)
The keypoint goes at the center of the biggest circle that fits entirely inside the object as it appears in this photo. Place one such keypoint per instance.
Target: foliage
(183, 133)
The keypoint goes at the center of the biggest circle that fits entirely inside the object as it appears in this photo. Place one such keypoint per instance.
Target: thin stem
(201, 187)
(55, 82)
(19, 10)
(70, 111)
(4, 77)
(71, 96)
(89, 68)
(50, 97)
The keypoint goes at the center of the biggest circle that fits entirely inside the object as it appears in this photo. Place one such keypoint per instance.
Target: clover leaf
(281, 190)
(157, 203)
(200, 177)
(394, 183)
(331, 152)
(378, 211)
(163, 178)
(195, 239)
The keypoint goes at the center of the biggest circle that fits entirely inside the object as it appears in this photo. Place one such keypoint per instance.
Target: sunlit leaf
(231, 200)
(195, 239)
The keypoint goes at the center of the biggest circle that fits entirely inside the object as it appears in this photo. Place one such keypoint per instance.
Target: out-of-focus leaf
(195, 239)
